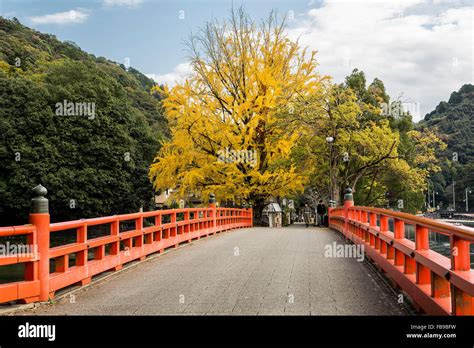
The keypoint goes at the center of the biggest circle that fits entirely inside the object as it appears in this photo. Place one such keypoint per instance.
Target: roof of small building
(272, 208)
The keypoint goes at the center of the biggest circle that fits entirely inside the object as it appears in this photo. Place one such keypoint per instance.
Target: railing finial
(39, 203)
(212, 198)
(348, 194)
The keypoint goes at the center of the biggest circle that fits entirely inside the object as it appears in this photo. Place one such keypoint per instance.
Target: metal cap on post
(39, 217)
(348, 202)
(212, 204)
(212, 199)
(39, 204)
(348, 197)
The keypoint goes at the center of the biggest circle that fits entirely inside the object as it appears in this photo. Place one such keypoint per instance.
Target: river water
(441, 244)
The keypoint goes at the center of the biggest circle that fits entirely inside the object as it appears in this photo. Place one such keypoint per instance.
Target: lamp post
(434, 199)
(427, 199)
(454, 196)
(467, 199)
(330, 140)
(454, 159)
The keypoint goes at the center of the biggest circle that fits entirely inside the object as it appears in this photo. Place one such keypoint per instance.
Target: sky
(421, 49)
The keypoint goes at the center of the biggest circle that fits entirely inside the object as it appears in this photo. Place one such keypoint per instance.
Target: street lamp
(434, 200)
(467, 199)
(454, 195)
(330, 140)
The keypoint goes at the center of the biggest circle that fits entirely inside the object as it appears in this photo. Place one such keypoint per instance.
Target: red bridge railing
(437, 284)
(147, 233)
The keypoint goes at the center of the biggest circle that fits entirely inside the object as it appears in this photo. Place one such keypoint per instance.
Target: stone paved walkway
(257, 271)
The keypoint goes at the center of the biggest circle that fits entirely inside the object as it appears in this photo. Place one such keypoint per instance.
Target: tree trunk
(258, 203)
(336, 193)
(334, 187)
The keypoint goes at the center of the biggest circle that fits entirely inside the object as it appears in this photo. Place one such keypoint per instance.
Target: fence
(128, 237)
(437, 284)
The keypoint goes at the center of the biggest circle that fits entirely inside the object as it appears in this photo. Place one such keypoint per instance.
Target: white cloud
(178, 74)
(72, 16)
(420, 49)
(127, 3)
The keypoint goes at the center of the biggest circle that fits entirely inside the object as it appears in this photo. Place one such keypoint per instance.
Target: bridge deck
(257, 271)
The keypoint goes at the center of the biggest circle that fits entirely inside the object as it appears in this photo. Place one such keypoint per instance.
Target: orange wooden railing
(437, 284)
(105, 253)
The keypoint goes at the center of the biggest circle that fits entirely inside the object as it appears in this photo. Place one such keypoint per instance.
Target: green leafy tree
(92, 165)
(453, 122)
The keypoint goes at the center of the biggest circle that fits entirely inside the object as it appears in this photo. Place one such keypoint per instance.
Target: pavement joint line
(100, 279)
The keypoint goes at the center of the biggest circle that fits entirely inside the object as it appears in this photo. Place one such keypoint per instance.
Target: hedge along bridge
(125, 246)
(437, 284)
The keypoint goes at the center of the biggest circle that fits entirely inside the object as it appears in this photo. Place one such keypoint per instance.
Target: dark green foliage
(453, 121)
(91, 166)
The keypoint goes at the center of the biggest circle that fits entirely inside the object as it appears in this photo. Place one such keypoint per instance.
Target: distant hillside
(454, 122)
(34, 51)
(91, 164)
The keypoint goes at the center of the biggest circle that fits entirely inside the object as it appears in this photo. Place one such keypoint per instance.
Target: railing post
(250, 214)
(186, 227)
(139, 240)
(39, 217)
(383, 223)
(348, 202)
(359, 215)
(379, 242)
(461, 302)
(373, 224)
(421, 238)
(460, 257)
(423, 274)
(399, 233)
(212, 204)
(173, 230)
(399, 229)
(364, 217)
(115, 246)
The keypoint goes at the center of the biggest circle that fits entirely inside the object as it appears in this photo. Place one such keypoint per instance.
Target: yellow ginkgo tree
(227, 135)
